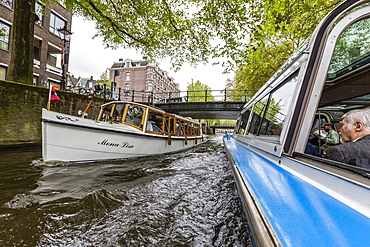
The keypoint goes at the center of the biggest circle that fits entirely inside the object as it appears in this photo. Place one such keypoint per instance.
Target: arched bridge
(204, 110)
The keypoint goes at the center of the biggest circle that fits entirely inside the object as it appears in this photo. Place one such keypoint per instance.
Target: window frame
(6, 43)
(54, 28)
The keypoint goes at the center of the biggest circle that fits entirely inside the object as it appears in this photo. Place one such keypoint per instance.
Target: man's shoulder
(365, 138)
(362, 143)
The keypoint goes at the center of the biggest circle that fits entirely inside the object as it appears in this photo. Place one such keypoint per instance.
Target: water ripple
(183, 199)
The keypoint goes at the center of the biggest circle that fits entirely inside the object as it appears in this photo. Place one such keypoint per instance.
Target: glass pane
(258, 112)
(4, 36)
(39, 9)
(278, 107)
(352, 49)
(242, 122)
(2, 73)
(117, 113)
(155, 122)
(134, 115)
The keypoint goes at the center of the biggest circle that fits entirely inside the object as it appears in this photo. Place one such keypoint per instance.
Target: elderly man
(355, 132)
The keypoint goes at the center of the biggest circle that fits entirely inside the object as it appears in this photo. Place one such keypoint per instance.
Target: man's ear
(359, 126)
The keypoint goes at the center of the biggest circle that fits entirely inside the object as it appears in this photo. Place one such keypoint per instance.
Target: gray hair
(362, 115)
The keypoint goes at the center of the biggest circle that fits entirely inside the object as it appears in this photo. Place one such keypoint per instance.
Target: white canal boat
(122, 130)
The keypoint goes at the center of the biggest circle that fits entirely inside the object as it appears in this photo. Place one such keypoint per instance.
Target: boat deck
(299, 213)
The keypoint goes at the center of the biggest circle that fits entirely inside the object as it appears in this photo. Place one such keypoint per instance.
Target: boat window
(134, 115)
(242, 121)
(117, 112)
(155, 122)
(258, 112)
(105, 113)
(169, 124)
(347, 82)
(278, 107)
(352, 50)
(196, 130)
(181, 128)
(270, 112)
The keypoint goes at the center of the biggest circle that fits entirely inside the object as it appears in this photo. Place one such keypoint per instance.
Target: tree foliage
(185, 31)
(256, 36)
(199, 92)
(281, 26)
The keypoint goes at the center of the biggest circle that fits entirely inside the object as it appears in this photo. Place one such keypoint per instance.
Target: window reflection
(270, 112)
(134, 115)
(4, 36)
(352, 49)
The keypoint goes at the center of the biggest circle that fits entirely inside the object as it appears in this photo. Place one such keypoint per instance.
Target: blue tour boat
(290, 195)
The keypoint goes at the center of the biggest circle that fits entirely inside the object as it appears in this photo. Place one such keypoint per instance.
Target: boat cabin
(148, 119)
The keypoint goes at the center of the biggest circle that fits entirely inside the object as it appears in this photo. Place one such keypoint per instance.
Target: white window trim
(59, 15)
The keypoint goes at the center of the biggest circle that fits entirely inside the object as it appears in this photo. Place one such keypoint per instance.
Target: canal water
(183, 199)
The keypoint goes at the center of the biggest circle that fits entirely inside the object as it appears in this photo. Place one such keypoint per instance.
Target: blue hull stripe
(301, 214)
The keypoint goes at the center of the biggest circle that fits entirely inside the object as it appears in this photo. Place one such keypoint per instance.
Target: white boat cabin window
(134, 115)
(269, 113)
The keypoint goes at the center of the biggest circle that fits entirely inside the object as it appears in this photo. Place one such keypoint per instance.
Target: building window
(56, 22)
(2, 73)
(127, 87)
(40, 11)
(150, 87)
(127, 76)
(128, 64)
(35, 80)
(8, 3)
(4, 36)
(150, 74)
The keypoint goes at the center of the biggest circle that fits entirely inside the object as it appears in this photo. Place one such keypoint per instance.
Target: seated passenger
(332, 138)
(311, 150)
(355, 132)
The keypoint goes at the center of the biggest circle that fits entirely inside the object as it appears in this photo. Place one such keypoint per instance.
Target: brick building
(141, 81)
(47, 43)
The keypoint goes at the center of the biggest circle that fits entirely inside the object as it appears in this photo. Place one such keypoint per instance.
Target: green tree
(280, 28)
(254, 35)
(199, 92)
(104, 77)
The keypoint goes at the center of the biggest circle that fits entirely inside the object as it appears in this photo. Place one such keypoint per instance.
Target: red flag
(54, 96)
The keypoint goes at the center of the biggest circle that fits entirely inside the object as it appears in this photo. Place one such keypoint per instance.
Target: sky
(88, 57)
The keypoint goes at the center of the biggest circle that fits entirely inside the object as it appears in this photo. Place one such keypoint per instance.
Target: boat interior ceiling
(349, 89)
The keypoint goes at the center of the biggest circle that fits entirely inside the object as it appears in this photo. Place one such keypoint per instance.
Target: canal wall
(20, 111)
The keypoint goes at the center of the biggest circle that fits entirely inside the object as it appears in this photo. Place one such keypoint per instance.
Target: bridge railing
(184, 96)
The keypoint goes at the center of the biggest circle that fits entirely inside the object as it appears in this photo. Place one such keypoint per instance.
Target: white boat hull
(74, 139)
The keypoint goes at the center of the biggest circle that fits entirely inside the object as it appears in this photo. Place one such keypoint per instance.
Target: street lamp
(65, 35)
